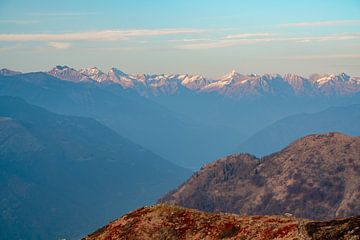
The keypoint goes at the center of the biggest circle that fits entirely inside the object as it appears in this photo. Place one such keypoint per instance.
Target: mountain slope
(281, 133)
(316, 177)
(171, 222)
(61, 176)
(135, 117)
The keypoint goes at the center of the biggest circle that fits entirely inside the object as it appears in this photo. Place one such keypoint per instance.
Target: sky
(207, 37)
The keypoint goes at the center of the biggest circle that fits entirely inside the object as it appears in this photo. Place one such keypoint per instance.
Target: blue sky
(183, 36)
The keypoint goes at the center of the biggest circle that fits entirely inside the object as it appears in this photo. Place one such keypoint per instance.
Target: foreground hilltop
(315, 177)
(171, 222)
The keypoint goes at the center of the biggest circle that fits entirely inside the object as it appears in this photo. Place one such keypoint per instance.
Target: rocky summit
(317, 177)
(171, 222)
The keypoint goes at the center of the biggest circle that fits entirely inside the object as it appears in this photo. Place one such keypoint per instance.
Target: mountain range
(316, 177)
(62, 176)
(186, 118)
(233, 85)
(101, 144)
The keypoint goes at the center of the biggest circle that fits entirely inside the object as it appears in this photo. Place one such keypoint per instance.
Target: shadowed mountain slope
(61, 176)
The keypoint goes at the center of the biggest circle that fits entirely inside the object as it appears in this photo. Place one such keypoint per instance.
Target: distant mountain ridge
(234, 84)
(8, 72)
(317, 177)
(279, 134)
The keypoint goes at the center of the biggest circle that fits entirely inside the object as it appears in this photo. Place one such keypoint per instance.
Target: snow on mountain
(94, 73)
(125, 80)
(225, 82)
(68, 74)
(331, 84)
(233, 84)
(161, 84)
(237, 85)
(194, 82)
(300, 85)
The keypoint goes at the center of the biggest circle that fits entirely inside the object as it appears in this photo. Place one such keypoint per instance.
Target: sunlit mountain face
(123, 107)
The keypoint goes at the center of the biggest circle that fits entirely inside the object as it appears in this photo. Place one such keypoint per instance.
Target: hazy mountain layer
(166, 114)
(145, 122)
(61, 176)
(281, 133)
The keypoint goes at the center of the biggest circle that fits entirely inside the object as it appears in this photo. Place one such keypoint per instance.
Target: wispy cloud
(59, 45)
(226, 42)
(191, 40)
(248, 35)
(318, 57)
(103, 35)
(62, 14)
(10, 48)
(322, 23)
(18, 22)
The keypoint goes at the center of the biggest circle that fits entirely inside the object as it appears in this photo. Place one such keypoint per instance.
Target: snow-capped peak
(68, 73)
(94, 73)
(117, 72)
(232, 74)
(92, 70)
(122, 78)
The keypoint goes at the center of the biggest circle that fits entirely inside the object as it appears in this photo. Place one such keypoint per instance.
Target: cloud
(10, 48)
(191, 40)
(62, 14)
(322, 23)
(59, 45)
(104, 35)
(317, 57)
(18, 22)
(248, 35)
(226, 42)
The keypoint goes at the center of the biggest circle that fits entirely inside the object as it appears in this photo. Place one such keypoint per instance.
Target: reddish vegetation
(171, 222)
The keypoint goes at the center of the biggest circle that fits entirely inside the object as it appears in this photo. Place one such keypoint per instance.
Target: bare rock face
(171, 222)
(315, 177)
